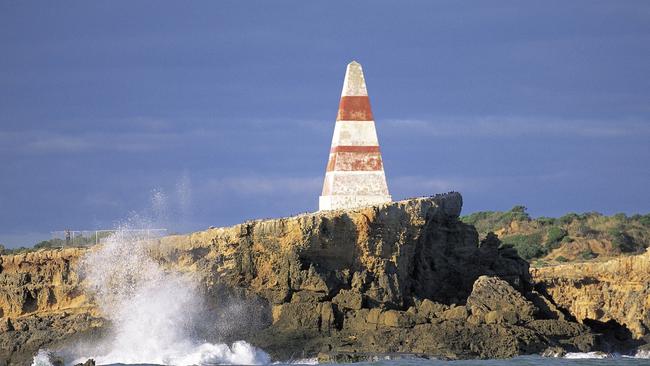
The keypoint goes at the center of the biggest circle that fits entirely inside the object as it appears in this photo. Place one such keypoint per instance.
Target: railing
(90, 237)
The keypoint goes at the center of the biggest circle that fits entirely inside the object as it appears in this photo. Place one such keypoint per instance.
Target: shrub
(586, 232)
(486, 221)
(621, 240)
(567, 239)
(475, 217)
(527, 246)
(568, 218)
(561, 259)
(645, 220)
(540, 263)
(554, 235)
(546, 221)
(52, 243)
(519, 208)
(588, 254)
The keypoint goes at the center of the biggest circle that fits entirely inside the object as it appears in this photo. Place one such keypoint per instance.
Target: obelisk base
(341, 202)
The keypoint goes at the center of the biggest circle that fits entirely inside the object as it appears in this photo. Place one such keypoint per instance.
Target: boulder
(348, 299)
(497, 301)
(430, 309)
(397, 319)
(455, 313)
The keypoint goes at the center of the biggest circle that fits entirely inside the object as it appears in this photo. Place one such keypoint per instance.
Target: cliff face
(614, 291)
(400, 277)
(41, 301)
(41, 282)
(391, 254)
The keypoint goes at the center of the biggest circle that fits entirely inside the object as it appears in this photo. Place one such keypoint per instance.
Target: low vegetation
(572, 237)
(77, 241)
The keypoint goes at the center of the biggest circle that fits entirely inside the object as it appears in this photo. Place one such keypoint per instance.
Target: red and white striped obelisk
(355, 173)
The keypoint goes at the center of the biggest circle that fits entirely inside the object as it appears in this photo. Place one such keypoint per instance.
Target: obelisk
(355, 172)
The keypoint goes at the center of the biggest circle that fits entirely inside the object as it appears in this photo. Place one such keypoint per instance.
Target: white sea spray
(153, 311)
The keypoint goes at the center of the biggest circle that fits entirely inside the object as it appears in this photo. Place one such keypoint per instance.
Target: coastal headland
(401, 277)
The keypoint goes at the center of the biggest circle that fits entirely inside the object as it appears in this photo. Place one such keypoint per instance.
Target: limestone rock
(397, 319)
(456, 312)
(348, 299)
(495, 300)
(614, 291)
(430, 309)
(333, 282)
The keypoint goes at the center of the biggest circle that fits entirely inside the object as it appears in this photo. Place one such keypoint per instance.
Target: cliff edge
(611, 296)
(402, 277)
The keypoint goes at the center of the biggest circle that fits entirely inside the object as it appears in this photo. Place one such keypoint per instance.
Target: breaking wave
(154, 312)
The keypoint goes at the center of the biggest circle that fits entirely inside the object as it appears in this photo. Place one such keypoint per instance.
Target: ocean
(586, 360)
(571, 359)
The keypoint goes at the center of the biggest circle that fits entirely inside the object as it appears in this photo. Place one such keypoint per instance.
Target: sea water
(579, 359)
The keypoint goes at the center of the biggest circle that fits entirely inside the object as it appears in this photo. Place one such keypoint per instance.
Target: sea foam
(154, 312)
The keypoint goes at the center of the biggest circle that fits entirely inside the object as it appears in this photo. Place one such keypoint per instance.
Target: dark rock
(495, 300)
(348, 299)
(401, 278)
(89, 362)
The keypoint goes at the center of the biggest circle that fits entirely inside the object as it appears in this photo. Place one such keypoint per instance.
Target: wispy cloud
(422, 185)
(258, 185)
(509, 126)
(419, 185)
(142, 134)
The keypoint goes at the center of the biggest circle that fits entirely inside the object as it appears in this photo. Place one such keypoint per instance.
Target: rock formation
(613, 294)
(404, 277)
(41, 301)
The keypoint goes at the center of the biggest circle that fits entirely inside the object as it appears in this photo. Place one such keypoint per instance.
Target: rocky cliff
(612, 295)
(401, 277)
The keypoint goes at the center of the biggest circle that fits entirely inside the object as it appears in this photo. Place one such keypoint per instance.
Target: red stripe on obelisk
(355, 161)
(354, 108)
(359, 149)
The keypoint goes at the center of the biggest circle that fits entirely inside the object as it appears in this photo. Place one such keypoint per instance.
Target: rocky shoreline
(401, 278)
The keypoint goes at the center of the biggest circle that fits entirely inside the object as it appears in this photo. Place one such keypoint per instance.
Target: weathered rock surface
(41, 301)
(400, 277)
(41, 282)
(612, 294)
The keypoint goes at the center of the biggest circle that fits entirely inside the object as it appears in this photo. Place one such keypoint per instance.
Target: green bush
(586, 232)
(52, 243)
(568, 218)
(621, 240)
(554, 236)
(546, 221)
(474, 218)
(486, 221)
(567, 239)
(561, 259)
(540, 263)
(588, 254)
(519, 208)
(527, 246)
(645, 220)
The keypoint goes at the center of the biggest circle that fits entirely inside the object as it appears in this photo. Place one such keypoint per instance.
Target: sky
(212, 113)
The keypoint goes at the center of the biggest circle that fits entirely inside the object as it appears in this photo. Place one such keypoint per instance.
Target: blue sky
(224, 111)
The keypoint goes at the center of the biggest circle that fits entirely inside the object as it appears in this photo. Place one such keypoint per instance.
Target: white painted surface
(355, 133)
(354, 83)
(350, 189)
(372, 183)
(350, 201)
